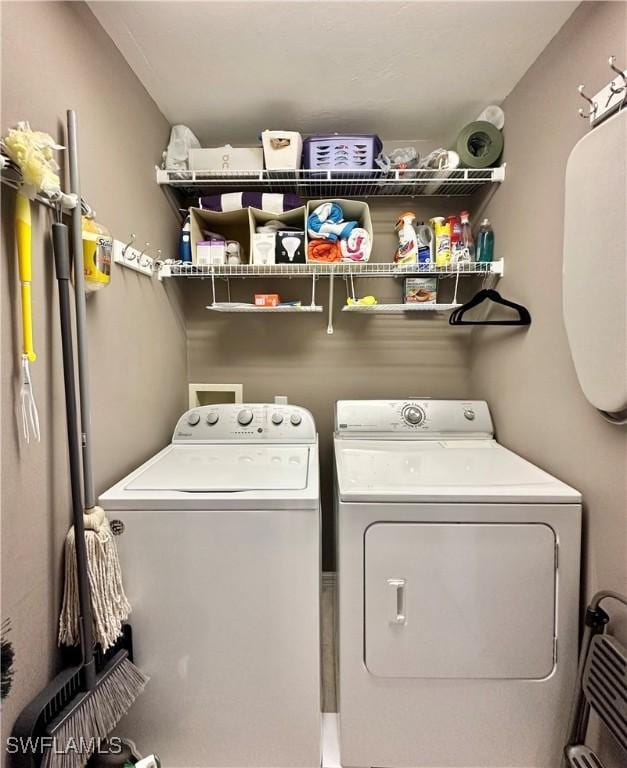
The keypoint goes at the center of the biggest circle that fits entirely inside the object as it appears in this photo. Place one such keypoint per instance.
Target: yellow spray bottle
(97, 250)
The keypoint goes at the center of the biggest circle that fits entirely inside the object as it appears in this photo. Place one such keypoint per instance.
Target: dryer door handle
(398, 613)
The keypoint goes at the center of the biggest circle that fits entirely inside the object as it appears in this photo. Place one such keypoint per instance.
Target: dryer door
(460, 600)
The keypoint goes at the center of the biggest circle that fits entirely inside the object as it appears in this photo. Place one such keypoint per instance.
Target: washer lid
(225, 468)
(227, 476)
(440, 470)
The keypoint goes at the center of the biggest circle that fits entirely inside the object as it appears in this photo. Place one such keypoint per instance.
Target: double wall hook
(593, 105)
(615, 89)
(128, 245)
(141, 255)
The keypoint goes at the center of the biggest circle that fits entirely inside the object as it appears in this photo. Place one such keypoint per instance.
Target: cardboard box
(232, 225)
(226, 158)
(354, 210)
(267, 300)
(210, 252)
(263, 248)
(422, 290)
(290, 247)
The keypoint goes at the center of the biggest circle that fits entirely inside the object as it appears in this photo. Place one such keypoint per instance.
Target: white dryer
(458, 589)
(220, 548)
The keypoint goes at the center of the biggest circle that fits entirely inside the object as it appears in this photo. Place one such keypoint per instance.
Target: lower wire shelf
(390, 309)
(239, 308)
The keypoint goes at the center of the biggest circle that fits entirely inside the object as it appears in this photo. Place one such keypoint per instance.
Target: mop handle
(24, 241)
(62, 267)
(81, 315)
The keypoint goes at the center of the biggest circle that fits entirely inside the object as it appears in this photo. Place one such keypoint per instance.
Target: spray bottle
(97, 248)
(407, 252)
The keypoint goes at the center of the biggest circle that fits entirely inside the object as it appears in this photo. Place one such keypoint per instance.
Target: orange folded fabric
(324, 250)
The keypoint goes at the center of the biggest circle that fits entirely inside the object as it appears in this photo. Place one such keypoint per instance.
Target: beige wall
(528, 377)
(55, 56)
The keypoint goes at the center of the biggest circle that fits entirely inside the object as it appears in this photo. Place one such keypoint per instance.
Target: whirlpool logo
(117, 527)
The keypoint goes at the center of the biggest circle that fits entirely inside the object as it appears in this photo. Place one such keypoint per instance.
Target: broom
(96, 710)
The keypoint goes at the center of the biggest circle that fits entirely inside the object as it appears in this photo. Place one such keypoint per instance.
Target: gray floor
(327, 619)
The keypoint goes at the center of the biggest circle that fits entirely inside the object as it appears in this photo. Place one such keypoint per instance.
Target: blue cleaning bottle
(185, 242)
(485, 242)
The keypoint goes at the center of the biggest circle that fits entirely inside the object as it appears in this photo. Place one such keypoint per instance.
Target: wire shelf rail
(414, 182)
(227, 306)
(368, 269)
(391, 309)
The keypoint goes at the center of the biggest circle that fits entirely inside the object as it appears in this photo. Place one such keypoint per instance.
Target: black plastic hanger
(524, 318)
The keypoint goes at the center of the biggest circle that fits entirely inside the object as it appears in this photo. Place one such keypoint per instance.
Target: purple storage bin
(334, 152)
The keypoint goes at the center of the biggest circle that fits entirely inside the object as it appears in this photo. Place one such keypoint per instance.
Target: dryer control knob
(213, 418)
(469, 414)
(413, 415)
(277, 418)
(296, 419)
(245, 417)
(193, 418)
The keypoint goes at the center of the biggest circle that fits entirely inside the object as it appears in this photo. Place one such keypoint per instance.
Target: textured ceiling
(405, 70)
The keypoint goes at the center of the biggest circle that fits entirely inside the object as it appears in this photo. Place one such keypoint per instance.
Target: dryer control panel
(246, 422)
(414, 418)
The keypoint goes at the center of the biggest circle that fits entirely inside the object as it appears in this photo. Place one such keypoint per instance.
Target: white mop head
(110, 607)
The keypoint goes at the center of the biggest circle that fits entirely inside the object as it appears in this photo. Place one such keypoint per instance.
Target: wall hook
(593, 105)
(128, 245)
(140, 256)
(617, 88)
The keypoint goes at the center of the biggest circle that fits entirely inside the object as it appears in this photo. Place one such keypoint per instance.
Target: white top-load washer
(458, 573)
(219, 539)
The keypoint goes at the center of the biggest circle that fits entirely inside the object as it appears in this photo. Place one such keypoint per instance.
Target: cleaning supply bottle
(185, 242)
(442, 232)
(407, 252)
(467, 240)
(456, 238)
(426, 245)
(485, 242)
(97, 247)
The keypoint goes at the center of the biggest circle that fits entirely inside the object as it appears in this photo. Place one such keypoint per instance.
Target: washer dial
(244, 417)
(413, 415)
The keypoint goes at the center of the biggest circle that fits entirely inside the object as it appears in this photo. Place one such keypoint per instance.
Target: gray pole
(81, 315)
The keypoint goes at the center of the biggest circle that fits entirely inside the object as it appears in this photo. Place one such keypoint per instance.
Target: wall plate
(207, 394)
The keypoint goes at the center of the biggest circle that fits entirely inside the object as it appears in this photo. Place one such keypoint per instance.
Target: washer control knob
(469, 414)
(277, 418)
(244, 417)
(193, 418)
(413, 415)
(212, 418)
(296, 419)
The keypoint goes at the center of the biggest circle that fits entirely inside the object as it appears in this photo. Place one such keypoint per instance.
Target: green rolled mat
(479, 145)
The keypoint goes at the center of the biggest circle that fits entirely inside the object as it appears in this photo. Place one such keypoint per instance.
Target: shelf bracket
(213, 287)
(313, 290)
(330, 323)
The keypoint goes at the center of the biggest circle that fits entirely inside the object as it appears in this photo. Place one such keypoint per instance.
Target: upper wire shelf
(367, 269)
(413, 182)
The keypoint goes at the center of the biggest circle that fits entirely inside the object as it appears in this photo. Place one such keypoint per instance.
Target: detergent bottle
(442, 230)
(407, 252)
(97, 248)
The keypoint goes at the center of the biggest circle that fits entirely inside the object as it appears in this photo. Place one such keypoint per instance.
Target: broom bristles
(94, 719)
(110, 606)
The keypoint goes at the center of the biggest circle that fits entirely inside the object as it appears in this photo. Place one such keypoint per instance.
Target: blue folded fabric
(326, 223)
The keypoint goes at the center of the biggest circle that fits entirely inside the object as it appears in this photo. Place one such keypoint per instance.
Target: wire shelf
(415, 182)
(235, 307)
(367, 269)
(390, 309)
